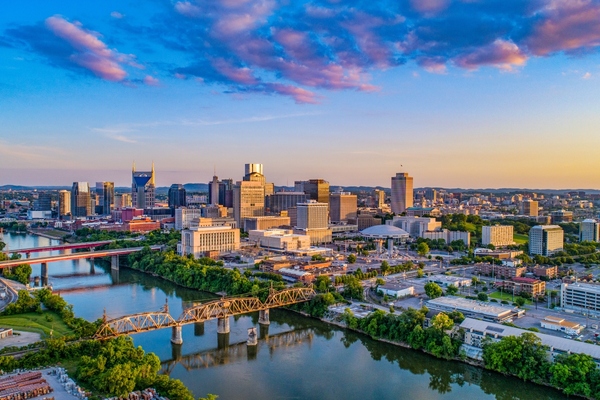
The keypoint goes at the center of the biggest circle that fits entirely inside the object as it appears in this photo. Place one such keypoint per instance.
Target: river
(296, 358)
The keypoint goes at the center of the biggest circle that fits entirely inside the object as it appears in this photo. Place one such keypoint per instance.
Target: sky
(463, 93)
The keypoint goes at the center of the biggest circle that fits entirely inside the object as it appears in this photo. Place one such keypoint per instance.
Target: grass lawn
(34, 322)
(520, 239)
(506, 296)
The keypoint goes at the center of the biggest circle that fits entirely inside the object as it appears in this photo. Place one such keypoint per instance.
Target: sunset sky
(464, 93)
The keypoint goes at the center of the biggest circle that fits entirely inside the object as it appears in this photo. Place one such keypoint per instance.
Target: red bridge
(68, 246)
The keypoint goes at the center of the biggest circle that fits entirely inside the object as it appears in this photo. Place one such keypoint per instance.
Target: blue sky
(457, 93)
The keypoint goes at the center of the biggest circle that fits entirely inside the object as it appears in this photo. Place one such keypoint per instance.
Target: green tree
(482, 297)
(420, 273)
(451, 290)
(520, 301)
(385, 268)
(523, 356)
(422, 249)
(442, 322)
(574, 373)
(351, 258)
(433, 290)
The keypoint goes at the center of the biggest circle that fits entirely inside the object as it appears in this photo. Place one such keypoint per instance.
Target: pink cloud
(298, 94)
(91, 53)
(434, 65)
(429, 6)
(151, 81)
(188, 9)
(238, 75)
(569, 25)
(501, 54)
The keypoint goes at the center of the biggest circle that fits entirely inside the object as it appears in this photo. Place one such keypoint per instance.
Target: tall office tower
(105, 197)
(316, 189)
(64, 203)
(342, 206)
(313, 220)
(589, 231)
(226, 193)
(530, 208)
(248, 200)
(81, 205)
(282, 201)
(143, 188)
(561, 216)
(43, 202)
(379, 196)
(177, 197)
(213, 191)
(254, 173)
(402, 192)
(431, 194)
(122, 200)
(498, 235)
(545, 240)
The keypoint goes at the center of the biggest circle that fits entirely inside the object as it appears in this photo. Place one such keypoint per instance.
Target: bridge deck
(85, 245)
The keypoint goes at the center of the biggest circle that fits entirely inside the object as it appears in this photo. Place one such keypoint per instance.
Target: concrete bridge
(113, 254)
(220, 309)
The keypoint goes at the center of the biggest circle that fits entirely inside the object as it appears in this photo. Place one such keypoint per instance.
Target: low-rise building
(449, 280)
(561, 325)
(204, 240)
(580, 296)
(475, 309)
(548, 271)
(533, 287)
(263, 223)
(279, 239)
(497, 235)
(396, 290)
(500, 271)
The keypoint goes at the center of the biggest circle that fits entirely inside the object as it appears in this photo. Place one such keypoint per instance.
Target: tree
(433, 290)
(422, 249)
(451, 290)
(385, 268)
(2, 245)
(442, 322)
(420, 273)
(482, 297)
(351, 258)
(520, 301)
(523, 356)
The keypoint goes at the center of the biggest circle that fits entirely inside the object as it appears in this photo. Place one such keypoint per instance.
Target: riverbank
(49, 233)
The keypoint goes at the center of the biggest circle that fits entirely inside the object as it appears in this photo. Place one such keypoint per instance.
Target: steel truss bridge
(216, 309)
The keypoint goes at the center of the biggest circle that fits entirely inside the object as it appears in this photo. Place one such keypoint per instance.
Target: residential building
(64, 203)
(143, 188)
(448, 236)
(313, 220)
(342, 206)
(580, 297)
(497, 235)
(475, 309)
(80, 199)
(548, 271)
(533, 287)
(402, 193)
(545, 240)
(248, 199)
(561, 216)
(530, 208)
(209, 241)
(589, 231)
(105, 197)
(279, 239)
(500, 271)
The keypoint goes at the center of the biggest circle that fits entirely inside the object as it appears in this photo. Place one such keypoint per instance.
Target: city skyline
(456, 93)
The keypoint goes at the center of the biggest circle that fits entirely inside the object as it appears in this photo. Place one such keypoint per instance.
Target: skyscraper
(530, 208)
(313, 220)
(402, 192)
(43, 202)
(546, 240)
(177, 197)
(213, 191)
(143, 188)
(342, 206)
(316, 189)
(80, 199)
(105, 197)
(589, 231)
(248, 200)
(64, 203)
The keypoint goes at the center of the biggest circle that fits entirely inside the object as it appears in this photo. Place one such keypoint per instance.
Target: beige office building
(589, 231)
(402, 192)
(546, 240)
(204, 241)
(530, 208)
(279, 239)
(122, 200)
(64, 203)
(248, 200)
(313, 220)
(342, 206)
(497, 235)
(262, 223)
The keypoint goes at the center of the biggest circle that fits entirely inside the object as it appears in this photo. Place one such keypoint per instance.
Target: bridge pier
(252, 337)
(114, 274)
(176, 351)
(114, 262)
(263, 331)
(222, 340)
(198, 328)
(176, 337)
(223, 325)
(44, 274)
(263, 317)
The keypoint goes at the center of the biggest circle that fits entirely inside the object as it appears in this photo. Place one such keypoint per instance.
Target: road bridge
(67, 246)
(113, 254)
(220, 309)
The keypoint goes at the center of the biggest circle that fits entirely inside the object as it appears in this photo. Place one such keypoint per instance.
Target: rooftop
(384, 231)
(473, 306)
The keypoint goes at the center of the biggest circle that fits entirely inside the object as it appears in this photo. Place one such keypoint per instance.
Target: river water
(296, 358)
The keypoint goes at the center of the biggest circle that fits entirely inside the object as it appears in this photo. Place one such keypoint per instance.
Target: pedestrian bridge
(220, 309)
